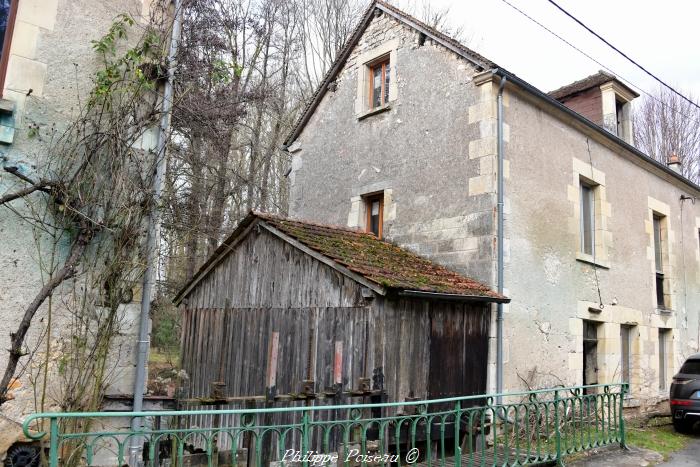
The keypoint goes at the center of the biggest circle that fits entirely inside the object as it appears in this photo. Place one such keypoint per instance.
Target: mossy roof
(377, 260)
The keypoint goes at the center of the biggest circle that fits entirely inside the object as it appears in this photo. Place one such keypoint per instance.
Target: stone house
(46, 60)
(600, 251)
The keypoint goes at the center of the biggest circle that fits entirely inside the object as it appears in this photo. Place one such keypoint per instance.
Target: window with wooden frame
(590, 354)
(8, 13)
(664, 353)
(379, 75)
(374, 205)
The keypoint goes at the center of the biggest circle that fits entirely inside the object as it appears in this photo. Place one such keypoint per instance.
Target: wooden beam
(338, 363)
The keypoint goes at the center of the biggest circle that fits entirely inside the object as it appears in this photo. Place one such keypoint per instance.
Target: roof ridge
(583, 84)
(477, 56)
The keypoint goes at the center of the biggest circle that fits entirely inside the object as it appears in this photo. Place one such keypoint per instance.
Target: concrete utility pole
(143, 342)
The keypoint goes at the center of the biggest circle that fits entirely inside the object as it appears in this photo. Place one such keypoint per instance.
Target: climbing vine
(86, 204)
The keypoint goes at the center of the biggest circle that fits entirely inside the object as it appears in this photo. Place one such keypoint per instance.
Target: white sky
(663, 36)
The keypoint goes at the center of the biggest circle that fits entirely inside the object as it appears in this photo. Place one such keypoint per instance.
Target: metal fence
(509, 429)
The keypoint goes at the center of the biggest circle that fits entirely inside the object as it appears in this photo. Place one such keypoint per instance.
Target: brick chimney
(674, 163)
(602, 99)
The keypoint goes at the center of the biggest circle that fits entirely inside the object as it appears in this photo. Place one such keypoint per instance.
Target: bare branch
(41, 185)
(17, 337)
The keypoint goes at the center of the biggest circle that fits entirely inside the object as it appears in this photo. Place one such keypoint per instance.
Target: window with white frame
(626, 333)
(664, 353)
(588, 214)
(659, 227)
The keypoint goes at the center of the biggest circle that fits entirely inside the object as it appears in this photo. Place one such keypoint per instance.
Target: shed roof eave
(227, 245)
(452, 297)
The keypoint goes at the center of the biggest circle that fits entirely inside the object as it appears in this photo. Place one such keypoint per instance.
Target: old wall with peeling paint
(416, 152)
(553, 285)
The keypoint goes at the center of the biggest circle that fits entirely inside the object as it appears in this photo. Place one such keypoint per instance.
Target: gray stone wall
(418, 150)
(552, 286)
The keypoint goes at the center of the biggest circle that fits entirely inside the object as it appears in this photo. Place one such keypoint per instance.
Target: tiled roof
(588, 82)
(375, 261)
(379, 261)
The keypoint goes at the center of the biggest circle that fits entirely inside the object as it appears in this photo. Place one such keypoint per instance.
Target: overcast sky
(663, 36)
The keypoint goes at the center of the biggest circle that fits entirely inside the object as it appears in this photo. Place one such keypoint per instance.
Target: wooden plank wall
(232, 346)
(264, 271)
(422, 348)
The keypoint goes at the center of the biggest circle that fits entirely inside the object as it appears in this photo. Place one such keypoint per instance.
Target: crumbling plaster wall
(51, 55)
(417, 151)
(552, 286)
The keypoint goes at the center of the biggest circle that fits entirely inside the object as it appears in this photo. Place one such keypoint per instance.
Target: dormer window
(380, 73)
(619, 111)
(604, 100)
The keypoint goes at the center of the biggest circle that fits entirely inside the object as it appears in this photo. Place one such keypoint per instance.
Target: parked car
(685, 395)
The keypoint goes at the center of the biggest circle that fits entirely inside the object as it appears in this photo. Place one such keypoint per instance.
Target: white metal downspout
(499, 306)
(151, 239)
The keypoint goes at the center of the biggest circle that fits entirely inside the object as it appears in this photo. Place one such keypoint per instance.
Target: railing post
(557, 430)
(305, 437)
(623, 390)
(53, 443)
(458, 426)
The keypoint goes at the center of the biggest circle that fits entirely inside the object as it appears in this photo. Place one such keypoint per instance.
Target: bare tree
(440, 18)
(666, 124)
(247, 68)
(324, 27)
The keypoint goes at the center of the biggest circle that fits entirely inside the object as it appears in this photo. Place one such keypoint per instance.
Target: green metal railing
(508, 429)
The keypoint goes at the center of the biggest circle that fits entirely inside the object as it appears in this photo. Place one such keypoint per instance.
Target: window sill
(374, 111)
(588, 259)
(664, 311)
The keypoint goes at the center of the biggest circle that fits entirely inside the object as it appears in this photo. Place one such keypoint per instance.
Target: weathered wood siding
(412, 348)
(431, 349)
(421, 349)
(264, 271)
(232, 346)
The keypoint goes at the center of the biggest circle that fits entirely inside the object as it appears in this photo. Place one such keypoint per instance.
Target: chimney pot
(674, 163)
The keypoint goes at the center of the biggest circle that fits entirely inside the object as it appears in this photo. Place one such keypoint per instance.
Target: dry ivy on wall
(86, 204)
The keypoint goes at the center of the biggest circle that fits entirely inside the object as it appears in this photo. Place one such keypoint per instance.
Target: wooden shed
(287, 310)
